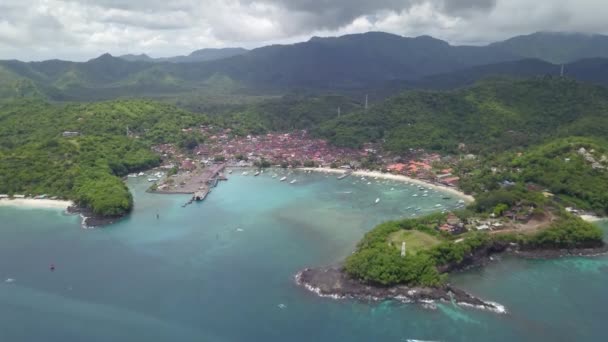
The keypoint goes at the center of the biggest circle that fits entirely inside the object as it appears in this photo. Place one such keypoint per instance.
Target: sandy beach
(400, 178)
(35, 203)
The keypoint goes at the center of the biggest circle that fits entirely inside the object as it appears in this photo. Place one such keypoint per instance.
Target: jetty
(197, 183)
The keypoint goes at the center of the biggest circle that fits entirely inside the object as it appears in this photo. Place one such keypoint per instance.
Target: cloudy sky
(82, 29)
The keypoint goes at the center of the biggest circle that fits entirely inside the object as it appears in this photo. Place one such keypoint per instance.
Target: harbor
(197, 182)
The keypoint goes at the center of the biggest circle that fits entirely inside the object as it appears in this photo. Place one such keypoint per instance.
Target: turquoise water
(220, 270)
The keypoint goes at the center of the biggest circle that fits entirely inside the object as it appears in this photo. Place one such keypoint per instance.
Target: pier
(197, 183)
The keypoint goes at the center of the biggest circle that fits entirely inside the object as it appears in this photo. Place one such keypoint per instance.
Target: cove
(222, 270)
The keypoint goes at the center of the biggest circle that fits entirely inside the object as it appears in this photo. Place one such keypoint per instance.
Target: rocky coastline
(90, 219)
(334, 282)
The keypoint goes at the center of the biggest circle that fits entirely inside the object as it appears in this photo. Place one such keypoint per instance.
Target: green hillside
(574, 169)
(36, 159)
(493, 115)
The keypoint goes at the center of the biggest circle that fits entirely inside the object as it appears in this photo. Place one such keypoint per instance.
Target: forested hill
(350, 63)
(493, 115)
(35, 157)
(557, 47)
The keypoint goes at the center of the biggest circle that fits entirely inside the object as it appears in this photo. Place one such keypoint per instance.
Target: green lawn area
(415, 240)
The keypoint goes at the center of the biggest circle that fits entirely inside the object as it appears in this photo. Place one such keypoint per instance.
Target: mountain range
(372, 60)
(203, 55)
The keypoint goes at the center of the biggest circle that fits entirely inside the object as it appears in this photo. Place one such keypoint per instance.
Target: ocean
(222, 270)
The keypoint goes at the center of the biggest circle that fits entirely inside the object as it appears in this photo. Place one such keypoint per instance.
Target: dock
(197, 183)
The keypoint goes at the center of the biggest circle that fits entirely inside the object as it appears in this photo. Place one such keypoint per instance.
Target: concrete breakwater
(197, 183)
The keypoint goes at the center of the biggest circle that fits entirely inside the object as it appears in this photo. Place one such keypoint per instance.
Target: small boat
(275, 176)
(132, 175)
(446, 197)
(425, 195)
(377, 200)
(369, 183)
(344, 175)
(229, 172)
(415, 195)
(152, 180)
(256, 174)
(245, 173)
(140, 174)
(283, 179)
(293, 181)
(392, 189)
(437, 205)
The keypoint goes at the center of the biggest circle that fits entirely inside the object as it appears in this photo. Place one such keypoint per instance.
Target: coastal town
(299, 148)
(198, 170)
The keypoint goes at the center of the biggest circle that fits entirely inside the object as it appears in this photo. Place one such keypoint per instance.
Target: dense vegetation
(578, 179)
(287, 113)
(36, 159)
(494, 115)
(376, 261)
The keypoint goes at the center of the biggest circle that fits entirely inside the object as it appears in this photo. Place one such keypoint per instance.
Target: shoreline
(31, 203)
(400, 178)
(333, 282)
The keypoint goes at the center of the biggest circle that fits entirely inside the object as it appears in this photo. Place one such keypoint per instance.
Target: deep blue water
(218, 271)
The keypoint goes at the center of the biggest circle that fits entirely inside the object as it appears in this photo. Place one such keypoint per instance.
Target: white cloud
(81, 29)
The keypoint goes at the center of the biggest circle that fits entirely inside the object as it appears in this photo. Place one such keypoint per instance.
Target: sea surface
(222, 270)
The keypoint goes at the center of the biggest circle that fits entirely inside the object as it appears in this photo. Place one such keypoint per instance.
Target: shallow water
(222, 270)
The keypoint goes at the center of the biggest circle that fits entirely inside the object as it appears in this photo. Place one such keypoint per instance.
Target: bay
(222, 270)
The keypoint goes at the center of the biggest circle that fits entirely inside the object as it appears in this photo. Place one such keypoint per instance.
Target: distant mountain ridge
(352, 62)
(557, 47)
(202, 55)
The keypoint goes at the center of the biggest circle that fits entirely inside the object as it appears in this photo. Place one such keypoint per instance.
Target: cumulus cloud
(81, 29)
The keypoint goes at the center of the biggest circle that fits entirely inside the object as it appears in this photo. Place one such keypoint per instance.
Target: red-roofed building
(399, 167)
